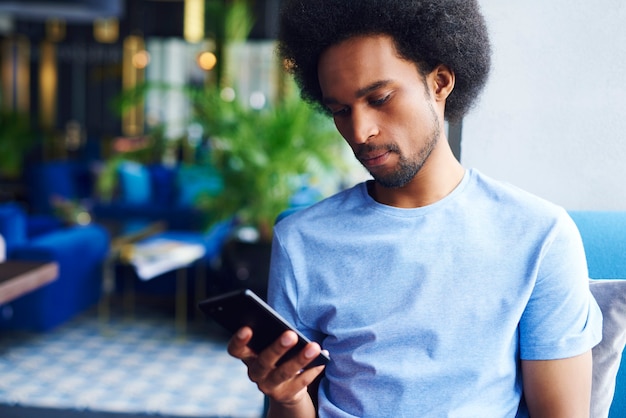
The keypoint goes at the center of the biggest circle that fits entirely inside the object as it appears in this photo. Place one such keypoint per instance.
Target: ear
(442, 79)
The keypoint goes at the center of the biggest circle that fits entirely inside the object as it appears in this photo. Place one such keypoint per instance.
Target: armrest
(37, 225)
(70, 247)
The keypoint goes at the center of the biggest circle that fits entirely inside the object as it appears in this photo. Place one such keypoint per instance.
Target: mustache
(365, 150)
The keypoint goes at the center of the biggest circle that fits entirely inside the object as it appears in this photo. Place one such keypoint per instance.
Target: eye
(340, 112)
(381, 101)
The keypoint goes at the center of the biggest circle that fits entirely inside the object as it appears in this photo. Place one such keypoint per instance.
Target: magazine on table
(154, 257)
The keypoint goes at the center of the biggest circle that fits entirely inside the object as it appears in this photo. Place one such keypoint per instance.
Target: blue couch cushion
(53, 180)
(604, 238)
(135, 183)
(12, 226)
(195, 182)
(164, 188)
(42, 224)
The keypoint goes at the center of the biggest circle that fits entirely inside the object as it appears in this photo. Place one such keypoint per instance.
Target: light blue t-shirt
(427, 312)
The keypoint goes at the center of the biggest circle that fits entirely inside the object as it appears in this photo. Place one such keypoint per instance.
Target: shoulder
(517, 215)
(509, 194)
(327, 210)
(512, 201)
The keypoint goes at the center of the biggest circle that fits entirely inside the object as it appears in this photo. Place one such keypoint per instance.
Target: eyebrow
(362, 91)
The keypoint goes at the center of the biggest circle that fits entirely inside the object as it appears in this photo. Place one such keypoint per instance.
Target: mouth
(374, 159)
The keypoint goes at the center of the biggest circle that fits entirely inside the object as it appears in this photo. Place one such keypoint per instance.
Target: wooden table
(20, 277)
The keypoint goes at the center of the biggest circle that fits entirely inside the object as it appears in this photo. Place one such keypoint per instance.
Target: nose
(363, 126)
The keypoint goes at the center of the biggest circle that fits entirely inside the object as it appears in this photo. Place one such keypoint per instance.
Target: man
(438, 291)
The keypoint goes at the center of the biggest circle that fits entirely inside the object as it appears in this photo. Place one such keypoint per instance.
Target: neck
(439, 176)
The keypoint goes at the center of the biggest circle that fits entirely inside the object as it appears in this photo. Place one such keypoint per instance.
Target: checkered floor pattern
(138, 366)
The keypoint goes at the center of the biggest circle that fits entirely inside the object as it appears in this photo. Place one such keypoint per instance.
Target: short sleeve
(282, 292)
(561, 319)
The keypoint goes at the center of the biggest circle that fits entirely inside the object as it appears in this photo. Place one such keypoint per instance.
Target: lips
(375, 159)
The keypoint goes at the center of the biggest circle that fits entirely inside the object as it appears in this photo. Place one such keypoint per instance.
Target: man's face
(381, 106)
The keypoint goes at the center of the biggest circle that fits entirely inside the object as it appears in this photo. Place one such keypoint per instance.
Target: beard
(408, 166)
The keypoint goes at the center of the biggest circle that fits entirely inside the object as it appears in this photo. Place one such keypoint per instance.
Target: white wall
(552, 119)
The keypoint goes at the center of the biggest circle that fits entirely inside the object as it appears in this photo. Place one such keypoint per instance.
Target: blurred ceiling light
(206, 60)
(228, 94)
(15, 54)
(106, 30)
(83, 218)
(193, 25)
(55, 30)
(257, 100)
(48, 84)
(132, 76)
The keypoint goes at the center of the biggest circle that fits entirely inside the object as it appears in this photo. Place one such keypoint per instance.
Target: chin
(392, 182)
(396, 179)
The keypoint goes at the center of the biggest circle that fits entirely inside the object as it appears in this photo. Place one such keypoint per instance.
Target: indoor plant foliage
(17, 139)
(265, 155)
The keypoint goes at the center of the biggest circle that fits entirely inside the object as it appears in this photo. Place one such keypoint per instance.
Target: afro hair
(427, 32)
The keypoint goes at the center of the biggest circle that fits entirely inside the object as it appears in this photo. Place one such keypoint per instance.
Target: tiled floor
(140, 365)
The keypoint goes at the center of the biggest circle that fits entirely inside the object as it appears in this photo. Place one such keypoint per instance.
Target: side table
(121, 240)
(161, 254)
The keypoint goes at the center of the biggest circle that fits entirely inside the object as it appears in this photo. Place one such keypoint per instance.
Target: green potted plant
(265, 155)
(17, 138)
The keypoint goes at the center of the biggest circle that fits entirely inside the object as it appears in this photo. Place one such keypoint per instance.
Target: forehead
(360, 61)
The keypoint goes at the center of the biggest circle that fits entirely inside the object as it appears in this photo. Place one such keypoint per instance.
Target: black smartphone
(240, 308)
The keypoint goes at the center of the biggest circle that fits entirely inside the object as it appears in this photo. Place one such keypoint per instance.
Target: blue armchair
(604, 237)
(79, 252)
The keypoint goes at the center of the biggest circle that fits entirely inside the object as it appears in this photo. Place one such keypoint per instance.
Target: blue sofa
(604, 239)
(79, 252)
(144, 192)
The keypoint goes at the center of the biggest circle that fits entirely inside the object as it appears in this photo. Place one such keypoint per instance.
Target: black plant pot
(245, 265)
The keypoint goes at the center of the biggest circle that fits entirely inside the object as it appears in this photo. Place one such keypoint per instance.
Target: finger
(237, 346)
(296, 366)
(286, 390)
(270, 356)
(309, 375)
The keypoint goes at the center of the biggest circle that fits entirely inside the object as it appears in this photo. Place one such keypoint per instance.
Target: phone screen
(241, 308)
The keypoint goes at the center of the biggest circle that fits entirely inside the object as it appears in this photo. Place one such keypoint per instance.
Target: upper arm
(558, 388)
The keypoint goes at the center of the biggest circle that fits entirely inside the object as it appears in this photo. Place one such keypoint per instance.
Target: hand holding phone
(241, 308)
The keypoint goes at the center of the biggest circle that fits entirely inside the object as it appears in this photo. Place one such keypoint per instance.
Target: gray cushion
(611, 297)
